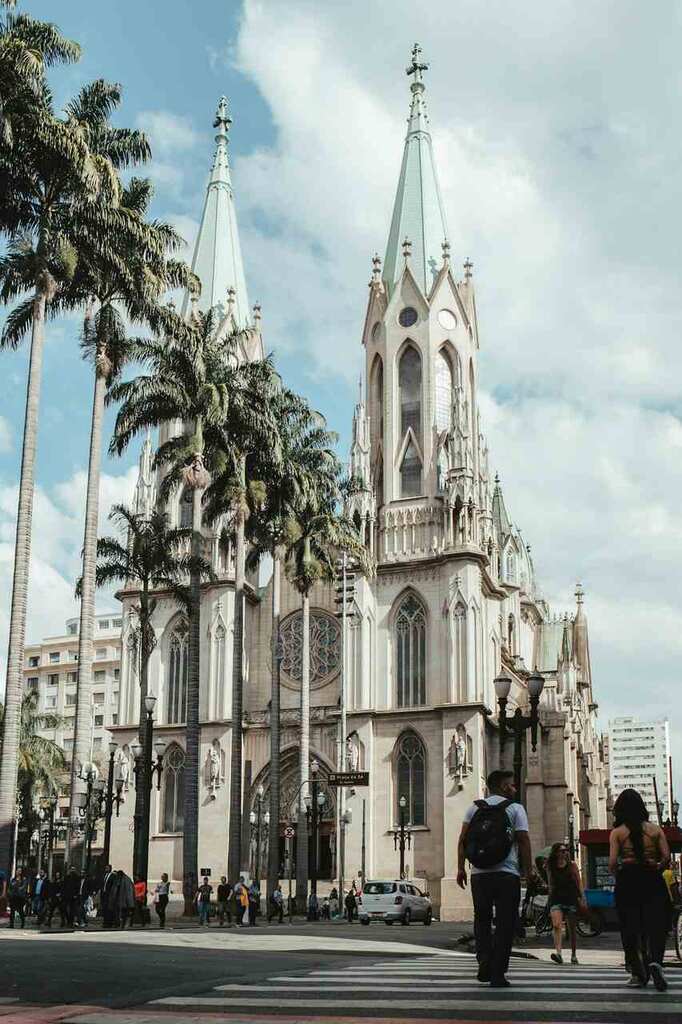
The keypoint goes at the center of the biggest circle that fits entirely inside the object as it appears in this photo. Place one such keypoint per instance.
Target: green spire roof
(217, 259)
(418, 213)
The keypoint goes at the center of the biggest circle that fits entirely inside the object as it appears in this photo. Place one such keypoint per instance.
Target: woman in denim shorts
(565, 897)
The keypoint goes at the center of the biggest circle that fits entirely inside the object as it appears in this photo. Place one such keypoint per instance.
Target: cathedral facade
(453, 604)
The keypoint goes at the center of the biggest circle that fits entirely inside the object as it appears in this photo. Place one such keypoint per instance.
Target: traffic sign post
(289, 832)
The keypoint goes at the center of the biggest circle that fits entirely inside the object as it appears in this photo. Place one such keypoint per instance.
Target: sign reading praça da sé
(348, 779)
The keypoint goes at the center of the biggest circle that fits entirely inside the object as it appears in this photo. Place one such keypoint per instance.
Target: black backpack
(490, 836)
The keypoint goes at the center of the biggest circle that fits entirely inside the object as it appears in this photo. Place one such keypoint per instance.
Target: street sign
(289, 832)
(205, 871)
(348, 779)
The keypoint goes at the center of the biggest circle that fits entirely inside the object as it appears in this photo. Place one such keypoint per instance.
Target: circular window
(447, 319)
(407, 316)
(375, 331)
(325, 648)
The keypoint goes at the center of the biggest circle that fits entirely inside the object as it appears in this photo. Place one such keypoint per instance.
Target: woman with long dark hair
(638, 853)
(565, 896)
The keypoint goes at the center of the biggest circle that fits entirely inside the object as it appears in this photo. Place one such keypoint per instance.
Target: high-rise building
(639, 751)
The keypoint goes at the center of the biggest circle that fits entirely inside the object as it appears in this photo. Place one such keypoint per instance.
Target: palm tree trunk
(22, 557)
(190, 836)
(302, 828)
(83, 717)
(141, 815)
(273, 850)
(235, 835)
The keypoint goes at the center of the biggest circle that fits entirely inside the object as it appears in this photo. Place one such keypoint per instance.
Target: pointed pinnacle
(468, 267)
(222, 119)
(407, 249)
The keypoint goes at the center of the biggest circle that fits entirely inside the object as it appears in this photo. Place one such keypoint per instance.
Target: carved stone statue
(459, 755)
(214, 769)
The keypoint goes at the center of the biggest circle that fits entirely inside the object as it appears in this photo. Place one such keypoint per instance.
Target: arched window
(186, 509)
(411, 778)
(176, 693)
(511, 567)
(410, 383)
(410, 386)
(173, 789)
(410, 634)
(376, 401)
(443, 390)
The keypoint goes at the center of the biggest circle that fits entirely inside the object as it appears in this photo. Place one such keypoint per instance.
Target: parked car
(388, 900)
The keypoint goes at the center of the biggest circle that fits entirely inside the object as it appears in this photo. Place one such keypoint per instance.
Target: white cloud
(559, 175)
(168, 133)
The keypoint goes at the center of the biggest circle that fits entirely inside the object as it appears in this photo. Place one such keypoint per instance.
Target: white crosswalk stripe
(419, 986)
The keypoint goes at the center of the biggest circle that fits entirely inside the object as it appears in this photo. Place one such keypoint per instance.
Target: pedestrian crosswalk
(433, 985)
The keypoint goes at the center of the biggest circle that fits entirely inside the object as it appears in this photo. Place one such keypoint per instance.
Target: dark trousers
(499, 891)
(161, 905)
(643, 907)
(17, 906)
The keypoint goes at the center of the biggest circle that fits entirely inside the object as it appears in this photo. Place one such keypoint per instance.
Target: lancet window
(443, 390)
(410, 766)
(410, 386)
(178, 668)
(410, 638)
(173, 790)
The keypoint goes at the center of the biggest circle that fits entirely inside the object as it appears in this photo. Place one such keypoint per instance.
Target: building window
(68, 743)
(54, 657)
(410, 633)
(72, 628)
(32, 682)
(34, 661)
(100, 676)
(410, 382)
(114, 719)
(73, 655)
(103, 624)
(117, 673)
(53, 679)
(117, 623)
(324, 647)
(50, 702)
(98, 698)
(72, 677)
(173, 790)
(70, 700)
(186, 509)
(99, 721)
(101, 653)
(443, 390)
(411, 778)
(176, 703)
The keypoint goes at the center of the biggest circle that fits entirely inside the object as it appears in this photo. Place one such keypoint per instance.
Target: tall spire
(418, 212)
(217, 259)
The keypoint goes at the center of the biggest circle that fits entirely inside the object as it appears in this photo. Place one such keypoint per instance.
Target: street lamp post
(50, 806)
(111, 799)
(314, 807)
(255, 818)
(144, 769)
(571, 836)
(518, 723)
(90, 809)
(402, 837)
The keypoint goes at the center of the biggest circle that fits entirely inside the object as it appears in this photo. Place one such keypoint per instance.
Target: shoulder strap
(503, 805)
(481, 804)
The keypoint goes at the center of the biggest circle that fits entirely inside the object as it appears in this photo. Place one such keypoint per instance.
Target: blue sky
(555, 140)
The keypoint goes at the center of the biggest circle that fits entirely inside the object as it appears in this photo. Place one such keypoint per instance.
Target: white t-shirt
(519, 820)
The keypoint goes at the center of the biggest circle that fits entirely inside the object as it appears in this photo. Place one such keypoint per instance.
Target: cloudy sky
(557, 142)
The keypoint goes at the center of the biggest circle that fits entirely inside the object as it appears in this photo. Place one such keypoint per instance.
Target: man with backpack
(495, 841)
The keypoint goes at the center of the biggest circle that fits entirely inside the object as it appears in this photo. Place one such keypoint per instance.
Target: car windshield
(378, 888)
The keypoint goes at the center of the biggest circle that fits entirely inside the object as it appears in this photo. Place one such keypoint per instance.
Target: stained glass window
(172, 819)
(410, 631)
(443, 390)
(176, 702)
(325, 647)
(411, 777)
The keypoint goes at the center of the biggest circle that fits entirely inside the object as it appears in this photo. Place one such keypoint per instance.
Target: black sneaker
(483, 975)
(658, 977)
(500, 983)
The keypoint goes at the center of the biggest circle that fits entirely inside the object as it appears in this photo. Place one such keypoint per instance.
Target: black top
(563, 887)
(224, 891)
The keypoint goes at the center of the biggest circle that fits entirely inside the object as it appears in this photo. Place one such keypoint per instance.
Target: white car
(389, 901)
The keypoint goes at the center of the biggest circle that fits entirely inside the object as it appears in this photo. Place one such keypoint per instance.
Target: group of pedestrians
(41, 897)
(495, 841)
(239, 902)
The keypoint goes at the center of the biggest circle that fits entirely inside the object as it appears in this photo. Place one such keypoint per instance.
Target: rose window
(325, 647)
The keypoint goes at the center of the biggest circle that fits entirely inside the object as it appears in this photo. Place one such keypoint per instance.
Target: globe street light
(402, 837)
(518, 723)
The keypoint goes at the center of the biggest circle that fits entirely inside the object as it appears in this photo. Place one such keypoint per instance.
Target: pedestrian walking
(223, 902)
(71, 898)
(55, 901)
(566, 898)
(350, 905)
(242, 893)
(108, 881)
(254, 904)
(333, 903)
(161, 894)
(17, 893)
(277, 905)
(140, 897)
(313, 907)
(494, 839)
(203, 897)
(638, 854)
(38, 894)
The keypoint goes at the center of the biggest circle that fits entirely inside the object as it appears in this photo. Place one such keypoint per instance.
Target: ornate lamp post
(144, 770)
(402, 837)
(519, 722)
(256, 819)
(91, 808)
(49, 806)
(314, 805)
(111, 799)
(571, 837)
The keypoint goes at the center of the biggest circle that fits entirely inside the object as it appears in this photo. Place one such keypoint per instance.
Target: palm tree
(247, 448)
(193, 377)
(307, 457)
(56, 197)
(152, 559)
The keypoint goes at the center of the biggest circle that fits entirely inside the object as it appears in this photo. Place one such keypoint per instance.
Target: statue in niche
(123, 768)
(459, 756)
(214, 768)
(352, 752)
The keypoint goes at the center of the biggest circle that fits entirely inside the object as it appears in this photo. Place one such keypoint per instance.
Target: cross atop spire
(417, 65)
